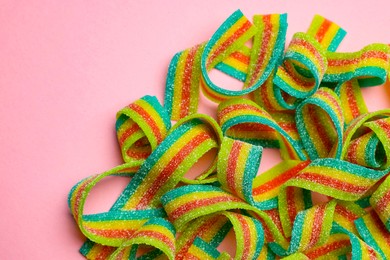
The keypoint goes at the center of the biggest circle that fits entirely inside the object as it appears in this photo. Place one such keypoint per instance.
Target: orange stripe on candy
(240, 57)
(232, 165)
(323, 30)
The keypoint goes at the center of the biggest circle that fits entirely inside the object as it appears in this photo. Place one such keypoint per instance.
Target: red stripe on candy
(323, 30)
(157, 235)
(279, 180)
(186, 89)
(317, 225)
(246, 234)
(331, 182)
(237, 34)
(144, 114)
(323, 250)
(178, 212)
(134, 128)
(170, 168)
(351, 100)
(232, 165)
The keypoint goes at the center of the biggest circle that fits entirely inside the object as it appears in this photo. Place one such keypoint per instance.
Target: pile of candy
(306, 101)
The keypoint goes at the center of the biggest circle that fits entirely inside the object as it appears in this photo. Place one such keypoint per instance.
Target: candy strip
(243, 112)
(336, 178)
(110, 228)
(320, 124)
(374, 233)
(367, 151)
(237, 171)
(232, 34)
(329, 35)
(236, 65)
(187, 203)
(207, 176)
(167, 164)
(249, 235)
(270, 35)
(360, 250)
(200, 249)
(335, 247)
(143, 118)
(369, 65)
(157, 232)
(268, 96)
(212, 229)
(182, 83)
(311, 227)
(296, 256)
(266, 187)
(326, 32)
(346, 213)
(291, 201)
(380, 202)
(381, 128)
(354, 127)
(351, 99)
(305, 52)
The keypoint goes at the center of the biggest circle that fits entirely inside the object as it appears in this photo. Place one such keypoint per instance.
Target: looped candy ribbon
(328, 199)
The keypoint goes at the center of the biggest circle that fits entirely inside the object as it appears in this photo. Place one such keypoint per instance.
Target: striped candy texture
(328, 199)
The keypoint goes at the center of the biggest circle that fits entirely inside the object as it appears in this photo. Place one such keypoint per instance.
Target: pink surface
(67, 67)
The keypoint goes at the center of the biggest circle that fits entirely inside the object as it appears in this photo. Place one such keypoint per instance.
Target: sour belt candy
(328, 199)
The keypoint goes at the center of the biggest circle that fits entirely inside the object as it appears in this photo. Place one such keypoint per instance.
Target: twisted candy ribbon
(307, 102)
(225, 51)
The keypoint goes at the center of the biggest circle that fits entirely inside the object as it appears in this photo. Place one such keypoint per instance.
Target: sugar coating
(305, 100)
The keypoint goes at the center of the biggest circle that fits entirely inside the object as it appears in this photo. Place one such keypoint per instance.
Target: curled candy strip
(140, 127)
(225, 51)
(210, 230)
(320, 124)
(380, 201)
(351, 99)
(326, 32)
(303, 68)
(331, 145)
(374, 233)
(156, 232)
(187, 203)
(242, 114)
(311, 227)
(182, 84)
(167, 164)
(369, 65)
(336, 178)
(269, 34)
(359, 249)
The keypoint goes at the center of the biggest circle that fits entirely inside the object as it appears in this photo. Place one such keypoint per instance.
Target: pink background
(67, 67)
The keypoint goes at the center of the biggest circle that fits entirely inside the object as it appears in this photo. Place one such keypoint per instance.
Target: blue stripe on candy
(152, 160)
(365, 233)
(125, 215)
(170, 83)
(337, 40)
